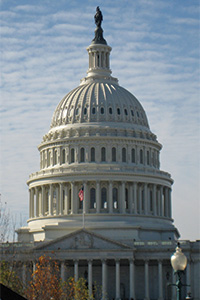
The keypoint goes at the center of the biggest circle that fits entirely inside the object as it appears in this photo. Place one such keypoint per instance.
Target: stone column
(140, 198)
(110, 197)
(37, 202)
(90, 277)
(166, 202)
(161, 201)
(170, 205)
(188, 276)
(50, 200)
(66, 210)
(173, 288)
(146, 271)
(98, 196)
(122, 204)
(104, 280)
(86, 197)
(145, 199)
(43, 200)
(132, 278)
(72, 197)
(117, 279)
(61, 199)
(62, 270)
(135, 197)
(130, 199)
(160, 281)
(34, 266)
(154, 200)
(57, 201)
(76, 270)
(30, 203)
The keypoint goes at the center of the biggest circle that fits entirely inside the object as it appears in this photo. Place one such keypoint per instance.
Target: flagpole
(84, 212)
(84, 205)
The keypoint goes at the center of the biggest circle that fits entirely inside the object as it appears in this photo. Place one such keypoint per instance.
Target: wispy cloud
(155, 56)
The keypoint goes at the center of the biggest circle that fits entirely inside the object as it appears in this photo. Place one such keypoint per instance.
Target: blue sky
(155, 55)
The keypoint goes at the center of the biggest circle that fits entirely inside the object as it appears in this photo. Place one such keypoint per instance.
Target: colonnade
(131, 276)
(100, 197)
(137, 155)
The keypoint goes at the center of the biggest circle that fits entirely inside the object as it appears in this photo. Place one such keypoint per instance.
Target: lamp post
(179, 263)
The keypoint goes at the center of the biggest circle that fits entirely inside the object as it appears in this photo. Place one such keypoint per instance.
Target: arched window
(133, 155)
(126, 112)
(148, 160)
(110, 110)
(126, 198)
(103, 198)
(46, 204)
(103, 154)
(82, 158)
(85, 111)
(123, 154)
(118, 111)
(102, 110)
(92, 152)
(151, 201)
(153, 158)
(141, 156)
(63, 156)
(115, 198)
(92, 198)
(72, 155)
(93, 110)
(143, 201)
(70, 199)
(63, 200)
(114, 154)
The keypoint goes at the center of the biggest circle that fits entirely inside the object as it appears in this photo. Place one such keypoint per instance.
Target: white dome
(99, 102)
(100, 141)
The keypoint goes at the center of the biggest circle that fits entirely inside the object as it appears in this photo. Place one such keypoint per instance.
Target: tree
(46, 282)
(7, 223)
(76, 290)
(9, 278)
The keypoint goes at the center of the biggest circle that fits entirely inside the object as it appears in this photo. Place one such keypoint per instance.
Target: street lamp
(179, 263)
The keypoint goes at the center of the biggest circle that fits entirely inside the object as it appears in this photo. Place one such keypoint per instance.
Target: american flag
(81, 194)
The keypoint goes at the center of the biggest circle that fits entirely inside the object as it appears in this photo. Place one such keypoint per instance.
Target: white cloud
(44, 57)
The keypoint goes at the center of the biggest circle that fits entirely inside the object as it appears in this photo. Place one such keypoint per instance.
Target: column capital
(90, 260)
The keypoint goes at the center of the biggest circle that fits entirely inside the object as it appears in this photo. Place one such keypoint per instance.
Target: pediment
(82, 240)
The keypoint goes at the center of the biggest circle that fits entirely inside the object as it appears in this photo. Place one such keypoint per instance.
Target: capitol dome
(100, 143)
(100, 102)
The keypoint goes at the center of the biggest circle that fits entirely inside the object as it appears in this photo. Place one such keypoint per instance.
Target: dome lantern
(99, 55)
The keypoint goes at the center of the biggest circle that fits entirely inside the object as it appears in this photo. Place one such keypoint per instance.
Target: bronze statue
(98, 39)
(98, 17)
